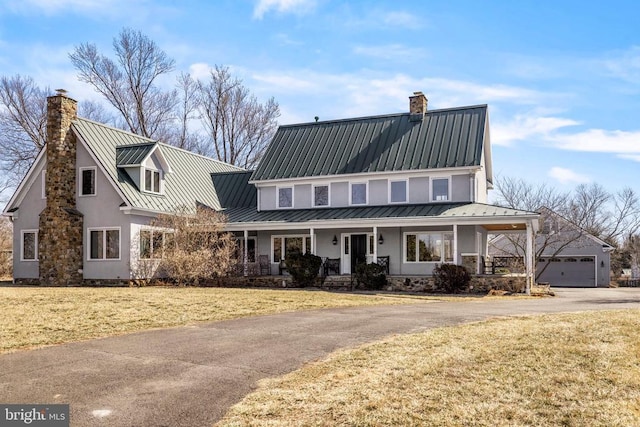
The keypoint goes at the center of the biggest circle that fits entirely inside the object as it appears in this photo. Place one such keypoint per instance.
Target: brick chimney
(417, 106)
(60, 235)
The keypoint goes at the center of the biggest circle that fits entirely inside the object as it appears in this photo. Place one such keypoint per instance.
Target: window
(398, 192)
(155, 243)
(440, 189)
(428, 247)
(285, 245)
(251, 249)
(321, 195)
(29, 242)
(285, 197)
(104, 244)
(152, 181)
(359, 194)
(88, 181)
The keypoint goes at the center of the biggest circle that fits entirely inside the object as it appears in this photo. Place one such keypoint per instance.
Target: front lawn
(553, 370)
(32, 317)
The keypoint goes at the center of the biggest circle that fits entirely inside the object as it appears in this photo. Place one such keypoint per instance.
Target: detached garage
(579, 271)
(567, 255)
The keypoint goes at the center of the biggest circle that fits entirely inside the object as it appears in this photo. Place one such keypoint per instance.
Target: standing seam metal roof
(443, 138)
(188, 183)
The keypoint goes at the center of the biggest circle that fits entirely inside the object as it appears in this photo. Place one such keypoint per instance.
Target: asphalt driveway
(190, 376)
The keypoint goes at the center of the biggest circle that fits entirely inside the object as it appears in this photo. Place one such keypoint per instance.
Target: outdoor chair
(384, 262)
(331, 264)
(265, 265)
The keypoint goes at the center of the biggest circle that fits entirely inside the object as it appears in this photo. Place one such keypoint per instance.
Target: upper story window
(152, 181)
(29, 245)
(398, 191)
(321, 195)
(440, 189)
(88, 181)
(358, 194)
(285, 197)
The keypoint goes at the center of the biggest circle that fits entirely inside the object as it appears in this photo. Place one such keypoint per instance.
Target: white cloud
(634, 157)
(567, 176)
(404, 20)
(625, 65)
(523, 127)
(599, 141)
(396, 52)
(282, 6)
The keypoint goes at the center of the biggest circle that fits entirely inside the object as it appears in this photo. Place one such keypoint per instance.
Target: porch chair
(265, 265)
(383, 261)
(331, 264)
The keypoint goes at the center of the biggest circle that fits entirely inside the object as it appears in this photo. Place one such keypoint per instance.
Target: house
(566, 255)
(409, 189)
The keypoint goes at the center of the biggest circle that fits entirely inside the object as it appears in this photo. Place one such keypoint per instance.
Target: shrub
(370, 276)
(304, 269)
(451, 278)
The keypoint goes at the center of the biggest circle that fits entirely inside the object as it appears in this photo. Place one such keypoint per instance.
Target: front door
(354, 251)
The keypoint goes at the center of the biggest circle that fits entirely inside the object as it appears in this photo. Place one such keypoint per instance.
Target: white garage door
(567, 271)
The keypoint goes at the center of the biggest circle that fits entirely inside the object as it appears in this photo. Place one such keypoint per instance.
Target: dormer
(145, 165)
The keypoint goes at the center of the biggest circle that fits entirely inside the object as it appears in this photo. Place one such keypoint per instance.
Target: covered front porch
(407, 242)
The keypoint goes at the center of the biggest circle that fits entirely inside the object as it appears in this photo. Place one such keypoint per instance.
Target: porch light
(335, 240)
(380, 240)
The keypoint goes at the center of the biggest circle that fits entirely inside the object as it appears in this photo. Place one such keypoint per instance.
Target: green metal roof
(133, 154)
(433, 210)
(234, 190)
(188, 183)
(443, 138)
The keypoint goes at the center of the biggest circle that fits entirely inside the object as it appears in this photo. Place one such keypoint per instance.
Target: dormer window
(152, 181)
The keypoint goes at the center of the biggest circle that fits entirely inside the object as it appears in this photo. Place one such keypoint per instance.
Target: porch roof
(490, 216)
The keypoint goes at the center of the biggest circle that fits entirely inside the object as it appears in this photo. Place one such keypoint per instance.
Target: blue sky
(561, 78)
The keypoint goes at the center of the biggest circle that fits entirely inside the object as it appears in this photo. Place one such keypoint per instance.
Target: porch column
(245, 255)
(375, 244)
(529, 257)
(456, 258)
(312, 249)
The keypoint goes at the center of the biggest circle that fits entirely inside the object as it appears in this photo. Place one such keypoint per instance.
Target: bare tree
(129, 83)
(238, 126)
(198, 247)
(23, 125)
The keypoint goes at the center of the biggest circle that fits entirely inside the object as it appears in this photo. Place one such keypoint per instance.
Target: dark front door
(358, 250)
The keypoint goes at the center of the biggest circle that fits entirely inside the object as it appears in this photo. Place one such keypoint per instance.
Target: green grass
(555, 370)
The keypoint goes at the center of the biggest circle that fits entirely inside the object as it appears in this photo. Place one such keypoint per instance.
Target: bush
(370, 276)
(451, 278)
(304, 269)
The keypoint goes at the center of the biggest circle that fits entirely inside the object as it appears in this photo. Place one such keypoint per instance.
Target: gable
(188, 184)
(446, 138)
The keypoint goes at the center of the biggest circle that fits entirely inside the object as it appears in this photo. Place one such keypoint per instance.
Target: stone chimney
(60, 235)
(417, 106)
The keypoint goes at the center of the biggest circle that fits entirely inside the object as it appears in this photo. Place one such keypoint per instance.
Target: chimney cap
(418, 93)
(61, 91)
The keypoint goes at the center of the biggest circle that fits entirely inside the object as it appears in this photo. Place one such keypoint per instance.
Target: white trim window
(399, 191)
(29, 245)
(428, 247)
(359, 193)
(321, 195)
(104, 244)
(152, 180)
(87, 184)
(440, 189)
(285, 197)
(155, 243)
(282, 246)
(43, 183)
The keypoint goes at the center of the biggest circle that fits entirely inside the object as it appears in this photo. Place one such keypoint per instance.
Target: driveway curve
(190, 376)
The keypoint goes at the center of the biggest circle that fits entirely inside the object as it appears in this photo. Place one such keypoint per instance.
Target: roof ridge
(379, 116)
(151, 141)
